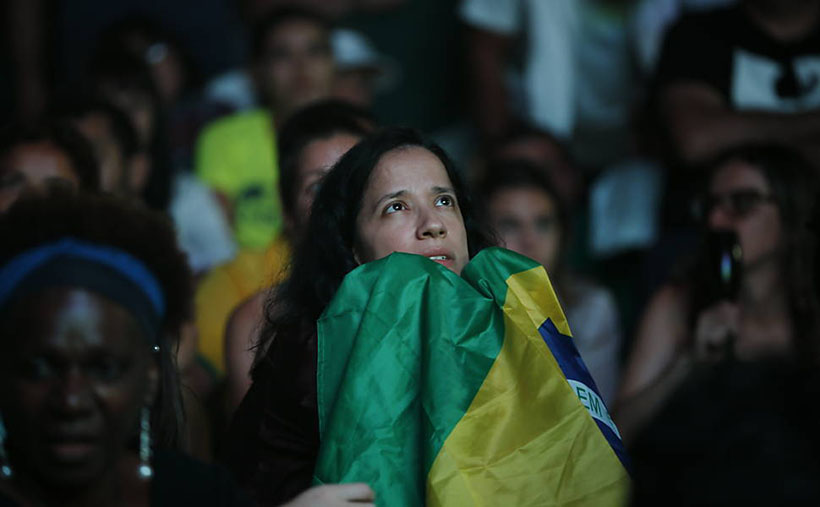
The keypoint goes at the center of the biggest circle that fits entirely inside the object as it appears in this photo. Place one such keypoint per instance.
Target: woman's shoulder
(182, 480)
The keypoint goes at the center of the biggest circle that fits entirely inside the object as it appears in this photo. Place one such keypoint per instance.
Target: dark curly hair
(325, 253)
(58, 212)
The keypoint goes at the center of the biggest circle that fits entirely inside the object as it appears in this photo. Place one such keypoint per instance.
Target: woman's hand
(331, 495)
(715, 331)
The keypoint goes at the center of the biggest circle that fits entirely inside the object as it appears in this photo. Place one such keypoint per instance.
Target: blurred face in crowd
(317, 158)
(97, 128)
(410, 206)
(526, 219)
(76, 372)
(741, 199)
(31, 166)
(296, 66)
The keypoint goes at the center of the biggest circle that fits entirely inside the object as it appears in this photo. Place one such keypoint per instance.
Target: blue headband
(105, 269)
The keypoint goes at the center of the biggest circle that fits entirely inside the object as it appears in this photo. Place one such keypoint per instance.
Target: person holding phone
(764, 195)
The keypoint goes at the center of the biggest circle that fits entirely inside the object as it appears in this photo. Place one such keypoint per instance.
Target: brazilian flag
(437, 389)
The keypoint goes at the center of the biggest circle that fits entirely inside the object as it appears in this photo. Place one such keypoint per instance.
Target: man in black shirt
(742, 74)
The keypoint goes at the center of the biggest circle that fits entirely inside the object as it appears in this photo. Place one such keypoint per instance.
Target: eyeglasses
(737, 203)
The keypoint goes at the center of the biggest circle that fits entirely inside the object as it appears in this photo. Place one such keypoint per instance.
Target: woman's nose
(431, 226)
(74, 393)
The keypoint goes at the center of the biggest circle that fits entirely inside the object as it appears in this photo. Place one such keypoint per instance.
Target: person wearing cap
(361, 71)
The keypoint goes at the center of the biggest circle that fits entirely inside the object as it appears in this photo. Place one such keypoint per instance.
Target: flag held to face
(437, 389)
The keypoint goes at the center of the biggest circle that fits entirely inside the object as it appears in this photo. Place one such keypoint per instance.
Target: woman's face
(741, 200)
(526, 220)
(410, 206)
(316, 159)
(33, 166)
(75, 372)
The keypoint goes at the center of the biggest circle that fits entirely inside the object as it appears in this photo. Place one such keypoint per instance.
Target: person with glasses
(764, 195)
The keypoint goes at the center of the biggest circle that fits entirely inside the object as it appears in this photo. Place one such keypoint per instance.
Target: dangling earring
(5, 467)
(145, 470)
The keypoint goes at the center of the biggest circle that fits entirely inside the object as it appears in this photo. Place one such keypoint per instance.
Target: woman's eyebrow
(389, 196)
(442, 190)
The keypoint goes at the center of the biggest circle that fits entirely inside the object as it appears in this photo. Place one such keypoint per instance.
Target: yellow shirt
(228, 285)
(236, 156)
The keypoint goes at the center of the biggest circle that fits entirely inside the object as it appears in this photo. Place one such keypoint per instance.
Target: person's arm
(655, 366)
(241, 335)
(701, 124)
(273, 441)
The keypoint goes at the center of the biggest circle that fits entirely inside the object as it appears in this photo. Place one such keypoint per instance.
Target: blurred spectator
(176, 79)
(360, 72)
(172, 68)
(125, 80)
(32, 158)
(742, 74)
(236, 156)
(310, 143)
(765, 195)
(575, 81)
(92, 295)
(733, 436)
(110, 132)
(178, 116)
(528, 215)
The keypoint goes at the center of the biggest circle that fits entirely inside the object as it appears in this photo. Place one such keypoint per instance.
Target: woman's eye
(394, 207)
(445, 200)
(106, 370)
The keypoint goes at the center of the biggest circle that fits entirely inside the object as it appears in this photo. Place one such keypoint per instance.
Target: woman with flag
(371, 361)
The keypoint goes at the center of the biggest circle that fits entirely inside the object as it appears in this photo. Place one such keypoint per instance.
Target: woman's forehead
(738, 174)
(411, 167)
(75, 318)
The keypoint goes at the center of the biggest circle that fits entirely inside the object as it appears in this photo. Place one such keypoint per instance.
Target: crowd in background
(619, 143)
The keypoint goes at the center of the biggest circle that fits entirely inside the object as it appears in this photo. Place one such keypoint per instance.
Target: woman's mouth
(72, 450)
(444, 260)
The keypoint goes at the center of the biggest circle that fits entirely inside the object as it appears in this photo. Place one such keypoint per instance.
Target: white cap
(353, 51)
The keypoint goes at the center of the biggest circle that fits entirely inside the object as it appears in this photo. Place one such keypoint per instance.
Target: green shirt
(236, 156)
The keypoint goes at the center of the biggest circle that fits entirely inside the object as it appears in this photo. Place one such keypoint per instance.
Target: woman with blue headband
(92, 294)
